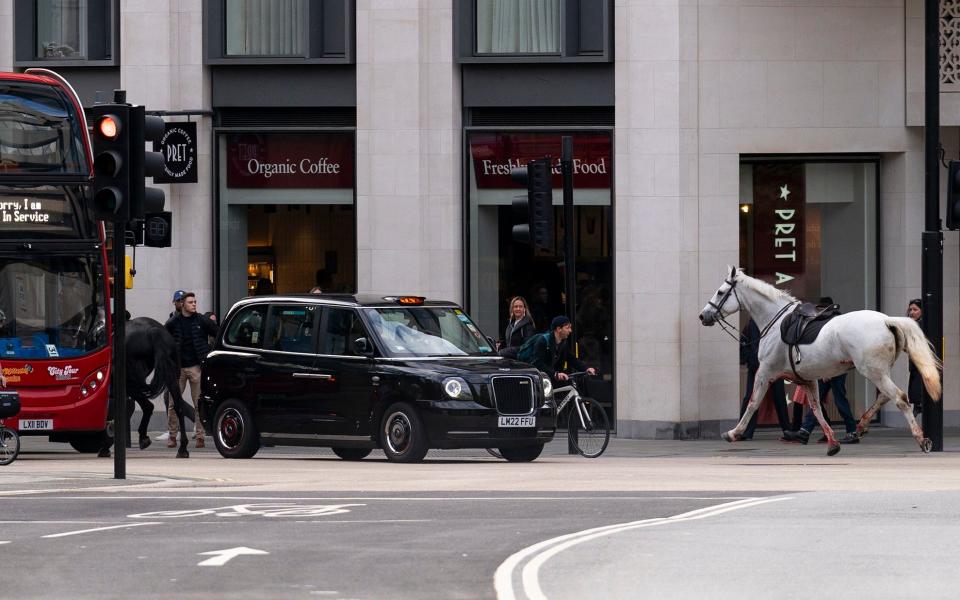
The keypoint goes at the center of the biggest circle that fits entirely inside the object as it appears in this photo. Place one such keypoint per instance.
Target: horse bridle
(728, 327)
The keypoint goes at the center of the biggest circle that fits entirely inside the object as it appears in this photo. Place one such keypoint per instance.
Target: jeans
(837, 385)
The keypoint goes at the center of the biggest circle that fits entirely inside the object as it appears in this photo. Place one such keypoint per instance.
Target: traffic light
(111, 165)
(157, 229)
(953, 195)
(536, 207)
(144, 163)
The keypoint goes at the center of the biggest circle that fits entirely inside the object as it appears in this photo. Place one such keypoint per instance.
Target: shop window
(66, 32)
(533, 30)
(278, 31)
(810, 227)
(500, 268)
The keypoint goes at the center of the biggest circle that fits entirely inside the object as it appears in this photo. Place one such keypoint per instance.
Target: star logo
(784, 192)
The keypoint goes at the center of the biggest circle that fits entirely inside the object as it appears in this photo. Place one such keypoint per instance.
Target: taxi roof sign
(407, 300)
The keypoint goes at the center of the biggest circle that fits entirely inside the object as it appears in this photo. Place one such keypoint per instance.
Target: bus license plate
(518, 422)
(35, 424)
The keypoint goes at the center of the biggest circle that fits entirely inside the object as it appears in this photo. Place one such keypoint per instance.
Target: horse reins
(728, 327)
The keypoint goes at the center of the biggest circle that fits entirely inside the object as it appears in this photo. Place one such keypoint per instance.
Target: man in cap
(177, 303)
(552, 353)
(172, 424)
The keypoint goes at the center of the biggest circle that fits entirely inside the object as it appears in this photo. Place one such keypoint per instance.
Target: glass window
(51, 307)
(427, 331)
(343, 328)
(265, 27)
(811, 228)
(518, 26)
(246, 329)
(39, 131)
(61, 28)
(290, 328)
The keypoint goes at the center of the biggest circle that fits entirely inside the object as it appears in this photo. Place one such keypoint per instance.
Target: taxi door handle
(314, 376)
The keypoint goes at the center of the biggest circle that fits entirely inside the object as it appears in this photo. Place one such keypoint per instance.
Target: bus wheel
(87, 443)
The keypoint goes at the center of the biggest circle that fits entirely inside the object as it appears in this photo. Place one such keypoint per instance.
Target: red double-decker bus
(54, 292)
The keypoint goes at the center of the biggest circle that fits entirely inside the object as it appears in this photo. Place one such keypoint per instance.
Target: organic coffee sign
(779, 199)
(495, 154)
(179, 148)
(290, 160)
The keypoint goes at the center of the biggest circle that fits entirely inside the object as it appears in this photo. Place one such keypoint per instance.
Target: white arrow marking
(221, 557)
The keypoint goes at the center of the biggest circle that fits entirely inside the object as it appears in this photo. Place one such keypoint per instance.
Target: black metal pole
(932, 261)
(570, 268)
(118, 379)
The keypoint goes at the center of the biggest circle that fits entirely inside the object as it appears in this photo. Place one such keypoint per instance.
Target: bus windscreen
(39, 131)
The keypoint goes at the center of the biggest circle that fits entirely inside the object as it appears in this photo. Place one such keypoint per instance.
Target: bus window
(39, 133)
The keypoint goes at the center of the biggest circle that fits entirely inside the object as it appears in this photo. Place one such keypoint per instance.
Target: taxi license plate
(517, 422)
(35, 424)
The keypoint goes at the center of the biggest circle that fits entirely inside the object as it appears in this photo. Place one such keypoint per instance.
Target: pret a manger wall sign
(778, 228)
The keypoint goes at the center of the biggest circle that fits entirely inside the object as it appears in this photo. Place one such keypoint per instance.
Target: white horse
(866, 340)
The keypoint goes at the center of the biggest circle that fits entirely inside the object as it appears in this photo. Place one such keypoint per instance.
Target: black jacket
(551, 357)
(518, 332)
(192, 330)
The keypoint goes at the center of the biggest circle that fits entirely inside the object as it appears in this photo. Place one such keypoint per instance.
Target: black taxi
(358, 372)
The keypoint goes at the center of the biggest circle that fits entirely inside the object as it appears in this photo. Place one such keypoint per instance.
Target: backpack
(528, 351)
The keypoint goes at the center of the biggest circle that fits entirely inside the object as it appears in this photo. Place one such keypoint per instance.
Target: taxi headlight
(455, 387)
(547, 385)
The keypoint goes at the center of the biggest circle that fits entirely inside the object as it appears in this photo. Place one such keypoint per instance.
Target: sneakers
(796, 437)
(200, 442)
(851, 438)
(172, 441)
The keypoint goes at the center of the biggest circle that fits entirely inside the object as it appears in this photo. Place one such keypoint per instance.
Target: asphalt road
(768, 521)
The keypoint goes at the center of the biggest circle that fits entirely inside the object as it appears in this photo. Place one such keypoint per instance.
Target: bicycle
(591, 429)
(9, 438)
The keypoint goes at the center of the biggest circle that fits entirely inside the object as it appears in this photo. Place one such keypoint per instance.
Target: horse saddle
(805, 322)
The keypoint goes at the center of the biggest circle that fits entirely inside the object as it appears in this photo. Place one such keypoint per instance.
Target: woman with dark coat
(519, 327)
(915, 387)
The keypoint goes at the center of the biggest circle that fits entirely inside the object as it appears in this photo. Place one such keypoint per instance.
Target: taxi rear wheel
(352, 453)
(402, 434)
(522, 454)
(236, 434)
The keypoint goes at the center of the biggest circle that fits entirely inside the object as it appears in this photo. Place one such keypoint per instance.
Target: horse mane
(763, 288)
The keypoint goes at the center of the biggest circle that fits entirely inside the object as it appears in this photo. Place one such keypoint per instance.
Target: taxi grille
(513, 395)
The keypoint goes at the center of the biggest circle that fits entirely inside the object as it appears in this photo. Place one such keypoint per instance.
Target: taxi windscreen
(40, 132)
(427, 331)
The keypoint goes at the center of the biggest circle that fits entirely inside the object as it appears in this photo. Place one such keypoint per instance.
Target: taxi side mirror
(363, 346)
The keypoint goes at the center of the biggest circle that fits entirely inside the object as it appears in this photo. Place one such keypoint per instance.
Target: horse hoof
(144, 442)
(183, 453)
(833, 449)
(862, 431)
(926, 445)
(728, 437)
(104, 453)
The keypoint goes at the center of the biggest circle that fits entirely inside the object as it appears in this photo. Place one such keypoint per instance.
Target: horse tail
(921, 352)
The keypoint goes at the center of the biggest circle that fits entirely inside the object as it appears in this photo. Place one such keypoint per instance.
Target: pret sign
(495, 154)
(779, 239)
(179, 147)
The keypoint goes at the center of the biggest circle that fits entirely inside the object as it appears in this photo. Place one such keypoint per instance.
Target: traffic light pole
(932, 262)
(118, 378)
(570, 264)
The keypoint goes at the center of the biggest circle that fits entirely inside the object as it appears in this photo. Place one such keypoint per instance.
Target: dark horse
(151, 349)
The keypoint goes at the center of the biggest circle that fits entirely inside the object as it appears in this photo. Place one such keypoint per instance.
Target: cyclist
(551, 352)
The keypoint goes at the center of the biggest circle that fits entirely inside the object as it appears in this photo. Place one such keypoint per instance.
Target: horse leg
(863, 425)
(176, 397)
(813, 396)
(889, 389)
(761, 383)
(146, 407)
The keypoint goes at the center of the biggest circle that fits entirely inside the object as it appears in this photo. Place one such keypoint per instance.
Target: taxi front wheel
(236, 434)
(402, 434)
(522, 454)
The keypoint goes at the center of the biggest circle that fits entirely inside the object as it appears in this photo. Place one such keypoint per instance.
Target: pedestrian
(837, 386)
(550, 351)
(520, 326)
(749, 356)
(915, 385)
(177, 307)
(191, 331)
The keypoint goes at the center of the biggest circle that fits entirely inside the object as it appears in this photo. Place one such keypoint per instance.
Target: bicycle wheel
(593, 431)
(9, 446)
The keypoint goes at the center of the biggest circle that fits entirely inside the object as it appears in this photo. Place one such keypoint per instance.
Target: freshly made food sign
(495, 154)
(298, 160)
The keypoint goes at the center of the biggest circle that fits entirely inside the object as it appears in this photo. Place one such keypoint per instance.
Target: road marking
(543, 551)
(2, 543)
(65, 534)
(271, 510)
(400, 498)
(222, 557)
